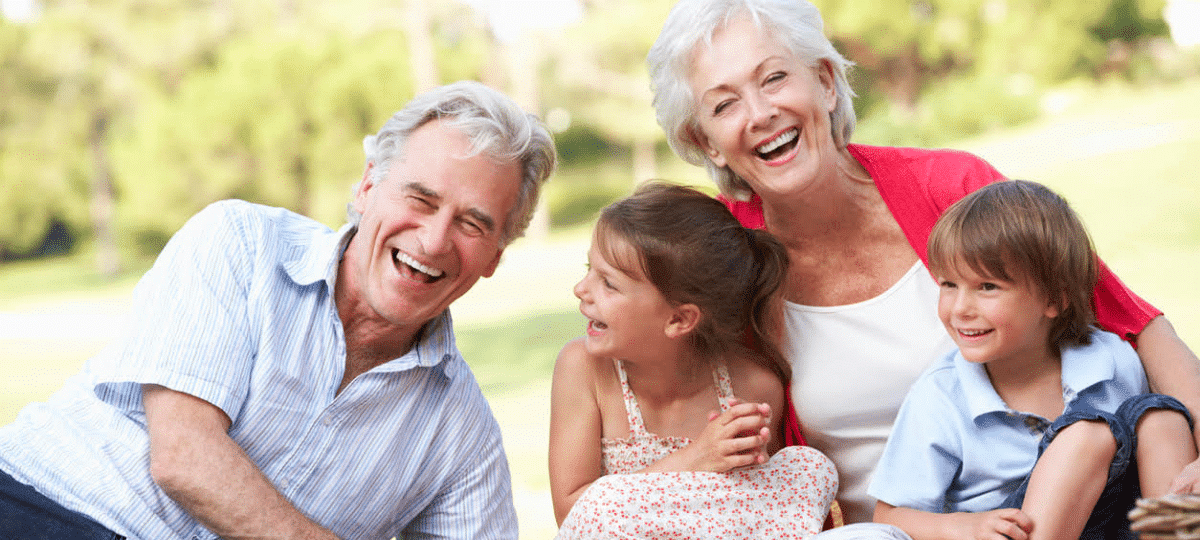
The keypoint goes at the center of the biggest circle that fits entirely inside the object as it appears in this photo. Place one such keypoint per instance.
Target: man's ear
(685, 319)
(364, 186)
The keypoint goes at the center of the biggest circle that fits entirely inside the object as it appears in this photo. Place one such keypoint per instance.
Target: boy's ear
(1054, 309)
(685, 319)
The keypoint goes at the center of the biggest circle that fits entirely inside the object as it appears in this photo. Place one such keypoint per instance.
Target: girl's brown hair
(1022, 231)
(694, 251)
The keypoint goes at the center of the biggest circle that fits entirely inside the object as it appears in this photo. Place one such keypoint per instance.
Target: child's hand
(1006, 523)
(732, 439)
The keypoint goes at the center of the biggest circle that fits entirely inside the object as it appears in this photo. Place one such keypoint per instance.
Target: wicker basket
(1172, 516)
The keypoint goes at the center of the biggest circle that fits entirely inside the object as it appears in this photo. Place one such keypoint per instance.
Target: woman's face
(761, 110)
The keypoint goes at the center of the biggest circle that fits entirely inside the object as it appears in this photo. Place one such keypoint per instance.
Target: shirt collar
(315, 259)
(977, 387)
(1083, 366)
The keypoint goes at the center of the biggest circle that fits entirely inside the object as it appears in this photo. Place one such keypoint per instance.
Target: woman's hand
(735, 438)
(1188, 480)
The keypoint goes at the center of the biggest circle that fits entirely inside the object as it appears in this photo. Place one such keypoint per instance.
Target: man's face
(430, 229)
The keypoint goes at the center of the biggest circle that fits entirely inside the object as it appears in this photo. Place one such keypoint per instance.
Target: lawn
(1121, 156)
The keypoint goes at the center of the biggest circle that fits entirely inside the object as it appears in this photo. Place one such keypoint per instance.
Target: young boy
(1032, 382)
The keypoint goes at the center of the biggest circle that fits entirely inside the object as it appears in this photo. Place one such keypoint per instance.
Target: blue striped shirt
(239, 311)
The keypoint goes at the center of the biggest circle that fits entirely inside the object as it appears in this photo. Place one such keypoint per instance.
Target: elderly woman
(754, 91)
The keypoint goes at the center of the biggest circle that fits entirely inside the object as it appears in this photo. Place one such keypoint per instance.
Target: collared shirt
(957, 446)
(239, 311)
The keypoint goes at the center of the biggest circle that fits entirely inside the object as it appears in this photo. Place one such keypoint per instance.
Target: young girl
(1037, 403)
(679, 374)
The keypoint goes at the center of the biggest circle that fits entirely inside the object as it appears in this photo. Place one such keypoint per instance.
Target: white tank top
(852, 366)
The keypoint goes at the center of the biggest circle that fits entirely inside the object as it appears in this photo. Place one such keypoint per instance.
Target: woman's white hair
(796, 24)
(493, 122)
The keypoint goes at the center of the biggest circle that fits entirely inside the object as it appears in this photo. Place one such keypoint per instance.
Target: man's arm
(196, 463)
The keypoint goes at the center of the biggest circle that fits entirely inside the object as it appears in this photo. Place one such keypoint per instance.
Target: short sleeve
(923, 454)
(189, 329)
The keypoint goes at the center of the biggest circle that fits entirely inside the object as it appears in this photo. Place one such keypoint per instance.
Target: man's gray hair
(796, 24)
(493, 122)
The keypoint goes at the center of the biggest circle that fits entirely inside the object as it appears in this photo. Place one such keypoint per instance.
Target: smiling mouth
(778, 146)
(427, 274)
(973, 333)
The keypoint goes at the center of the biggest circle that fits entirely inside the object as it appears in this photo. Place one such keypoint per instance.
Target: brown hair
(694, 251)
(1021, 230)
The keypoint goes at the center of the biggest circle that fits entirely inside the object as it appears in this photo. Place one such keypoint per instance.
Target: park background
(121, 118)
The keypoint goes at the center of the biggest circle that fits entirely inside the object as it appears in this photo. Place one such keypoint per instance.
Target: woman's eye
(722, 106)
(775, 77)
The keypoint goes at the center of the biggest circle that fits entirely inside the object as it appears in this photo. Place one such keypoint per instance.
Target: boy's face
(994, 320)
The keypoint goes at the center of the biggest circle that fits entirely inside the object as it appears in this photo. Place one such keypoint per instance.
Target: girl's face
(625, 312)
(994, 320)
(761, 110)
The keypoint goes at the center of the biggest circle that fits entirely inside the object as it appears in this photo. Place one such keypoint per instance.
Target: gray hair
(496, 127)
(796, 24)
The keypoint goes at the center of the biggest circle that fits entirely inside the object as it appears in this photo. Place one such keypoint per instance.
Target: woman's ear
(828, 85)
(709, 150)
(685, 319)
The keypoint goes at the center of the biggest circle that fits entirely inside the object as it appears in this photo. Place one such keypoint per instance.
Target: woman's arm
(575, 428)
(1173, 369)
(1008, 523)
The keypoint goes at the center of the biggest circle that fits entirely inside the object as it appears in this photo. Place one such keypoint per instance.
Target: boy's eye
(945, 284)
(989, 286)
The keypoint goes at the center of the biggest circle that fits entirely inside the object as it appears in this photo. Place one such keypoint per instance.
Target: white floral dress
(786, 497)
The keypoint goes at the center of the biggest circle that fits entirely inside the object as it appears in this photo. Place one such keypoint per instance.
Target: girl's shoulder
(574, 361)
(753, 381)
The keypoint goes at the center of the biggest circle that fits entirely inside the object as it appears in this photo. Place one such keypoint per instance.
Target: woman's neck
(838, 203)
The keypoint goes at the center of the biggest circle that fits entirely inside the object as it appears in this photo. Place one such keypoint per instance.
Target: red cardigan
(917, 185)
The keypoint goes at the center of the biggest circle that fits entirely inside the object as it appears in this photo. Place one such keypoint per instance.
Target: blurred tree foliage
(121, 118)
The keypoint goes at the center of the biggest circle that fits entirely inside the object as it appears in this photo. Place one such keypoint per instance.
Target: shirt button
(327, 420)
(283, 484)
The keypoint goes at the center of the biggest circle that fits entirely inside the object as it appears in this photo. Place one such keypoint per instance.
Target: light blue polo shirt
(957, 447)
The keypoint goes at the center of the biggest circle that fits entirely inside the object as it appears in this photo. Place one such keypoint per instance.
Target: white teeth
(972, 332)
(784, 138)
(404, 258)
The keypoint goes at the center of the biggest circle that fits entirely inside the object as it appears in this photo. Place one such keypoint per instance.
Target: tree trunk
(108, 258)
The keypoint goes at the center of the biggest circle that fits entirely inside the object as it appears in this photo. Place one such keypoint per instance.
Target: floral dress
(786, 497)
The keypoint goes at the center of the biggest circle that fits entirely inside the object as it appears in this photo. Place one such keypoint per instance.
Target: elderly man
(282, 380)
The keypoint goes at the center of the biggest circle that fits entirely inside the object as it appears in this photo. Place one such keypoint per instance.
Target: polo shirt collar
(316, 258)
(1082, 367)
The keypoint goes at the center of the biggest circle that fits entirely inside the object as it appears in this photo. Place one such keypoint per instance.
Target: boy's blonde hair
(1022, 231)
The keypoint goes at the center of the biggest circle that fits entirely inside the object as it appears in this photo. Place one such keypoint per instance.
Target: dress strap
(724, 385)
(633, 413)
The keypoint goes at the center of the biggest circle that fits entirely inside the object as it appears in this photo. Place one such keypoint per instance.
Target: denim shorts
(1109, 518)
(26, 514)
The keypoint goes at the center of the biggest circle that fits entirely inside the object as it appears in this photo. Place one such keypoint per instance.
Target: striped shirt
(239, 311)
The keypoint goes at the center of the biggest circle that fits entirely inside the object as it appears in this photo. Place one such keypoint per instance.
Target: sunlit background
(119, 119)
